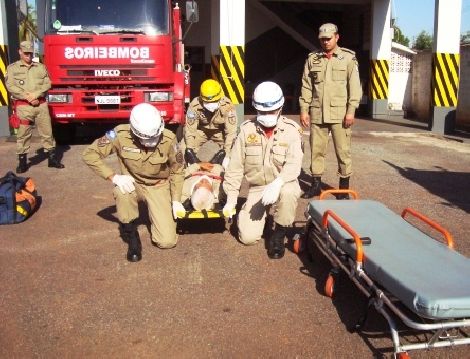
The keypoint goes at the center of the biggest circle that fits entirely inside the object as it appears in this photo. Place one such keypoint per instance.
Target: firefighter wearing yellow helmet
(210, 116)
(151, 170)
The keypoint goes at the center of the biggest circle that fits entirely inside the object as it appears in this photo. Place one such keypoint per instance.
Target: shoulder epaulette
(194, 102)
(168, 133)
(291, 122)
(315, 54)
(225, 101)
(123, 127)
(348, 50)
(251, 120)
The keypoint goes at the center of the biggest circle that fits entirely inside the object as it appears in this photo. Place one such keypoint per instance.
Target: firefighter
(330, 93)
(210, 116)
(151, 166)
(268, 153)
(28, 82)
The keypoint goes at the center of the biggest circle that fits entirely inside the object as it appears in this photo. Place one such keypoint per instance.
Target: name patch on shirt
(131, 149)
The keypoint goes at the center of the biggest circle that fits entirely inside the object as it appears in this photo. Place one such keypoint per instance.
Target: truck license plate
(107, 100)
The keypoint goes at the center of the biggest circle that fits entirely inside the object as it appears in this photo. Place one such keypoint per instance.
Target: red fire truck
(105, 56)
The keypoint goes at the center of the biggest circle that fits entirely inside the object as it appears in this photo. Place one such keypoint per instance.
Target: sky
(414, 16)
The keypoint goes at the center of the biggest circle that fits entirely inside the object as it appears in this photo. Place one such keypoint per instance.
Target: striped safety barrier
(445, 79)
(229, 69)
(379, 78)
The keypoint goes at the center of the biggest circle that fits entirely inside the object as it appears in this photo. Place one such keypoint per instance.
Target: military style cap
(327, 30)
(26, 46)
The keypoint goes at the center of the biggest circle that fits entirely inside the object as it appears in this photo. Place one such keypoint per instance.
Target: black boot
(218, 158)
(22, 163)
(53, 160)
(276, 247)
(343, 184)
(315, 188)
(131, 236)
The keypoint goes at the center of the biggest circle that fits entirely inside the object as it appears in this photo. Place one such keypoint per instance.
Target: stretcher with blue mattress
(391, 260)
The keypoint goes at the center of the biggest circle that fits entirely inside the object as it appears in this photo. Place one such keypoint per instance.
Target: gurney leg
(362, 320)
(399, 353)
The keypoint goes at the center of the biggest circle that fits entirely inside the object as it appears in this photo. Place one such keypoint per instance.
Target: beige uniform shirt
(260, 159)
(21, 78)
(330, 88)
(148, 168)
(219, 126)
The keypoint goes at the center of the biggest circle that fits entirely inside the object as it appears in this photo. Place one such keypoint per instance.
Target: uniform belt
(24, 102)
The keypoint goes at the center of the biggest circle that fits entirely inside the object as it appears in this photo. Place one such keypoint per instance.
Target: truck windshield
(107, 16)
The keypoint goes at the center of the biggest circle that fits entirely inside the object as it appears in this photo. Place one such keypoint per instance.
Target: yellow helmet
(211, 91)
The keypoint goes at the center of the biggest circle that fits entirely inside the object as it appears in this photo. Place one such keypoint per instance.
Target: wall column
(380, 54)
(228, 60)
(445, 65)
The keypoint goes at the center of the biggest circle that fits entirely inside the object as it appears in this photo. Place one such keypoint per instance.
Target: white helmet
(146, 122)
(268, 96)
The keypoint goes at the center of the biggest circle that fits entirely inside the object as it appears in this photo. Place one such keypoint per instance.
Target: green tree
(423, 41)
(27, 23)
(399, 37)
(465, 38)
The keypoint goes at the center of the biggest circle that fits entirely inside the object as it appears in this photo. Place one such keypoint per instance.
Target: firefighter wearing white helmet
(268, 153)
(151, 170)
(210, 117)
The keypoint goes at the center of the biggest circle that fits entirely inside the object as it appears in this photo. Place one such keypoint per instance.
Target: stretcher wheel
(330, 286)
(403, 355)
(298, 244)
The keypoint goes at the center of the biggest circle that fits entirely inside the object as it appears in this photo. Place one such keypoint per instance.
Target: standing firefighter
(268, 153)
(331, 91)
(28, 82)
(152, 170)
(211, 116)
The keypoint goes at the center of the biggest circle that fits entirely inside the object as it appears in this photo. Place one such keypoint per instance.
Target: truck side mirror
(192, 11)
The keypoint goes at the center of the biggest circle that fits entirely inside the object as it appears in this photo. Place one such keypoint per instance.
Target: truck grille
(101, 74)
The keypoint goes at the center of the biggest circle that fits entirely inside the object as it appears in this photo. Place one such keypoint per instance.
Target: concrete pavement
(67, 290)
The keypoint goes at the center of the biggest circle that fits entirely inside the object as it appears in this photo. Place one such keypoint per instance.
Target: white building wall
(400, 80)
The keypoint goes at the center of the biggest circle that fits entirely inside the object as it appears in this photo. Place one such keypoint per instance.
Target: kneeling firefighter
(151, 166)
(268, 153)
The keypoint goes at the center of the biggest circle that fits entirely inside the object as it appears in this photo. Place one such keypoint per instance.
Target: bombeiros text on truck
(106, 56)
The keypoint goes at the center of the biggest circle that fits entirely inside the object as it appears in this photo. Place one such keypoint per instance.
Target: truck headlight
(161, 96)
(57, 98)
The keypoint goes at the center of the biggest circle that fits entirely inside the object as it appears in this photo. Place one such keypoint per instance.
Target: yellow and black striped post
(229, 69)
(379, 88)
(445, 79)
(379, 78)
(3, 70)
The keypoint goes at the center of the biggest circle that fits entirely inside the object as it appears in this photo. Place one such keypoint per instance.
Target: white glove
(178, 209)
(225, 162)
(124, 182)
(228, 210)
(271, 191)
